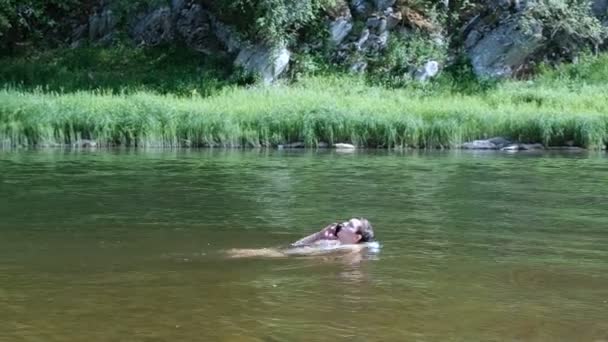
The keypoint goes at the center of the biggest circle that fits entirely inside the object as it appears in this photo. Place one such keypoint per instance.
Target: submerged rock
(523, 147)
(84, 143)
(343, 146)
(567, 148)
(297, 144)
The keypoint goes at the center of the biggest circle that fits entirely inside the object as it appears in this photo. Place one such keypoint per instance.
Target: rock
(178, 5)
(531, 147)
(79, 32)
(523, 147)
(298, 144)
(193, 26)
(499, 141)
(376, 42)
(488, 144)
(382, 5)
(393, 19)
(376, 24)
(101, 24)
(382, 40)
(154, 28)
(502, 50)
(362, 39)
(339, 29)
(227, 35)
(49, 145)
(358, 67)
(514, 147)
(322, 144)
(428, 71)
(343, 146)
(599, 8)
(359, 6)
(567, 148)
(264, 61)
(84, 143)
(479, 145)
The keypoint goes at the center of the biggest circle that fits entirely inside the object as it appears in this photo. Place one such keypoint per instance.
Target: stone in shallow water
(531, 147)
(84, 143)
(523, 147)
(495, 143)
(343, 146)
(297, 144)
(566, 148)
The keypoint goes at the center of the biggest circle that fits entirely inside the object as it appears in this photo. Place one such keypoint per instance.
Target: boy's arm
(325, 233)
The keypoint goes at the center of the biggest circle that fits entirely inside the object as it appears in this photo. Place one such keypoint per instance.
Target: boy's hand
(329, 232)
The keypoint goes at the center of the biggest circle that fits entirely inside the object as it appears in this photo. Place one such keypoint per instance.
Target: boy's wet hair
(364, 229)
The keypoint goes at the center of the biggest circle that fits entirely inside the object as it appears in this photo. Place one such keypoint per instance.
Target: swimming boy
(349, 236)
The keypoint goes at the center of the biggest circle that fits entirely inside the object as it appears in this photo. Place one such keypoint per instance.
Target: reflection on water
(129, 246)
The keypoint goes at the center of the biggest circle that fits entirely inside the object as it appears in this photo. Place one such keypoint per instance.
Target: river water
(129, 245)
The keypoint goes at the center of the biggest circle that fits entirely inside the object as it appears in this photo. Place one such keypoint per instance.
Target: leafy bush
(274, 22)
(568, 25)
(403, 55)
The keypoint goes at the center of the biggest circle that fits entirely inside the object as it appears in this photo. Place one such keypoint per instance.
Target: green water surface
(129, 246)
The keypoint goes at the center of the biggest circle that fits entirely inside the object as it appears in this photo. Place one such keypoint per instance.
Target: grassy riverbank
(565, 105)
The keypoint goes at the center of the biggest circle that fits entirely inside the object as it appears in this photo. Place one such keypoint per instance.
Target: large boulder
(226, 35)
(495, 143)
(359, 6)
(193, 26)
(101, 26)
(153, 28)
(266, 62)
(503, 49)
(599, 8)
(382, 5)
(339, 29)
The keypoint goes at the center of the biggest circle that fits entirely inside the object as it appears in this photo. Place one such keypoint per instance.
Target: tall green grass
(172, 98)
(312, 111)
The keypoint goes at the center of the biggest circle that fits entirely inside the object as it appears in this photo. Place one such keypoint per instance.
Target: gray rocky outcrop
(382, 5)
(101, 26)
(267, 62)
(193, 26)
(504, 49)
(599, 8)
(339, 29)
(153, 28)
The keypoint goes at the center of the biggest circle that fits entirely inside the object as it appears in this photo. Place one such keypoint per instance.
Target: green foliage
(21, 19)
(403, 55)
(119, 69)
(588, 69)
(273, 22)
(567, 25)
